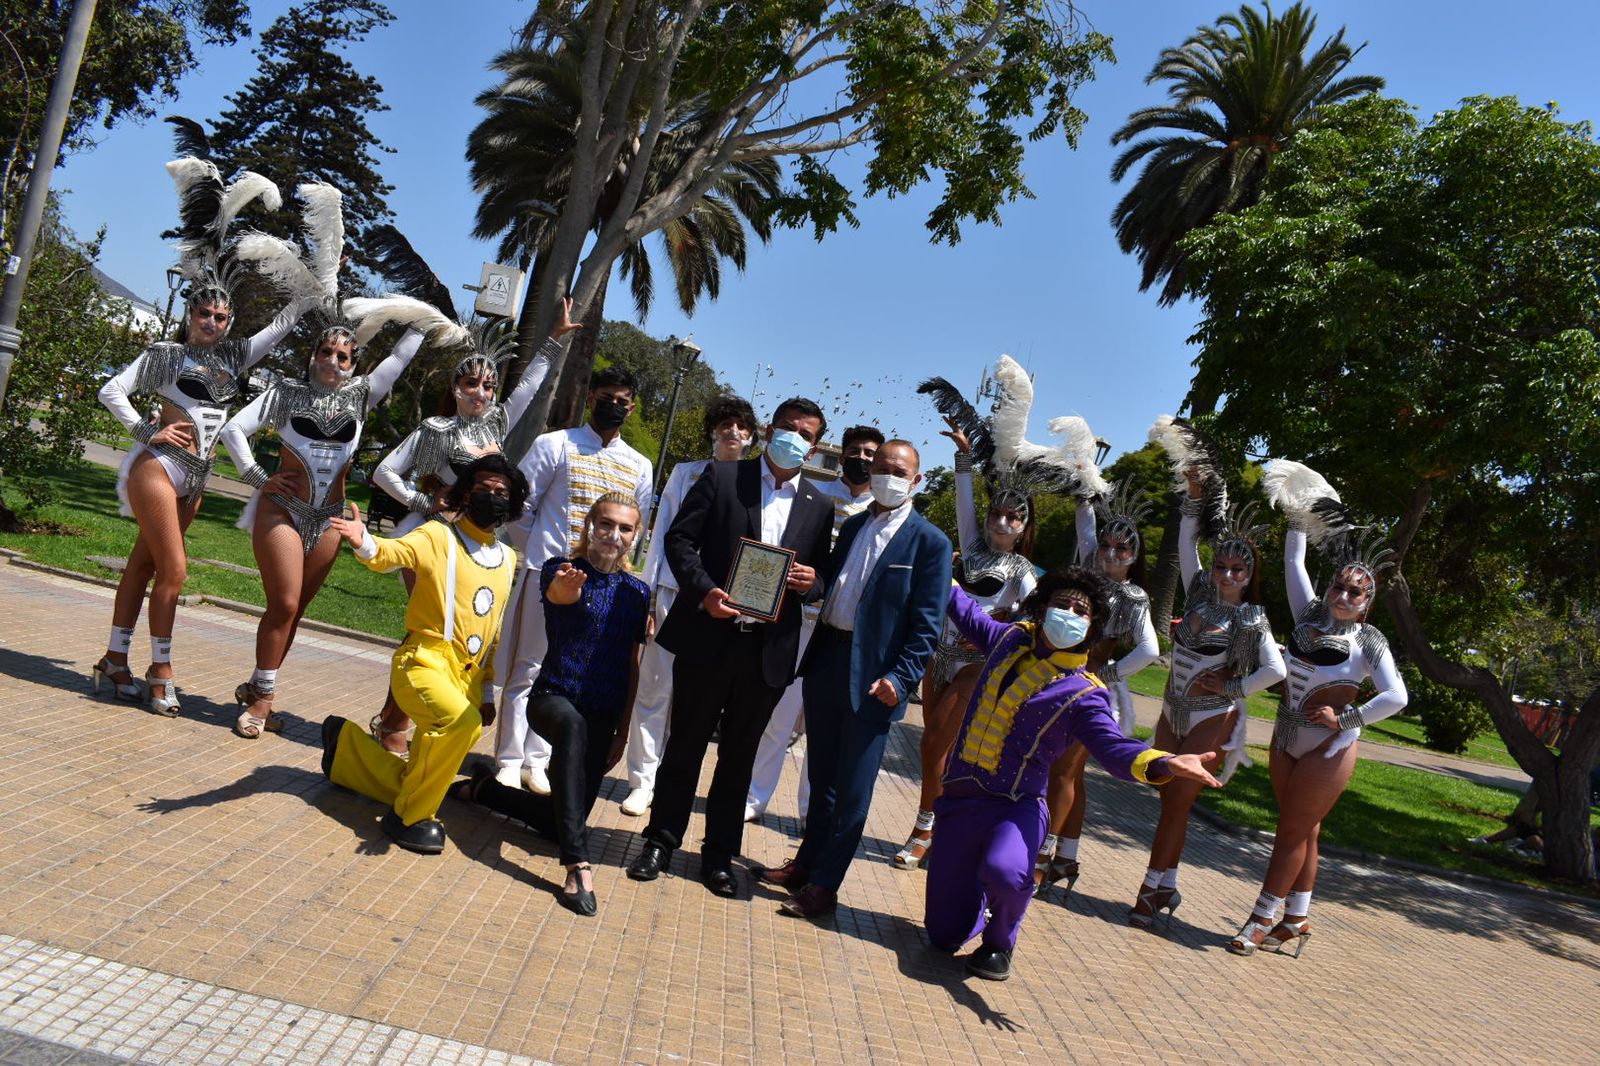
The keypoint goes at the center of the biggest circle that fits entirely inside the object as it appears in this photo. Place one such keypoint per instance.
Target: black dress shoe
(812, 901)
(720, 880)
(991, 964)
(648, 866)
(791, 875)
(580, 902)
(425, 837)
(331, 726)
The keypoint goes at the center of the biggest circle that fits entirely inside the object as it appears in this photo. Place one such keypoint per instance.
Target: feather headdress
(1123, 510)
(206, 208)
(1015, 468)
(1306, 498)
(370, 314)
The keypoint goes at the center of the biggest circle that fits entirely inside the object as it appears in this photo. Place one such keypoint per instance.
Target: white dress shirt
(845, 596)
(777, 499)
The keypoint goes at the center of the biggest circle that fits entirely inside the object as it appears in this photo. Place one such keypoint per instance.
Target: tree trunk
(566, 409)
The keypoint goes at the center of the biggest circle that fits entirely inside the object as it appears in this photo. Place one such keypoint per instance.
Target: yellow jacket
(458, 566)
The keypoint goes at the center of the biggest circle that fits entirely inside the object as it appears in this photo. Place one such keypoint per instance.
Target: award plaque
(758, 577)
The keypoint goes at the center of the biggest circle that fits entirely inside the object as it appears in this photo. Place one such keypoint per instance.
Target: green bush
(1450, 718)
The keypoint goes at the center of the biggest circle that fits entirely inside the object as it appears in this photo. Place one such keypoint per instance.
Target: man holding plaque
(887, 583)
(744, 549)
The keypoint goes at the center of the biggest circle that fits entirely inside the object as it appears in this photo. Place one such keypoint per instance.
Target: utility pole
(44, 163)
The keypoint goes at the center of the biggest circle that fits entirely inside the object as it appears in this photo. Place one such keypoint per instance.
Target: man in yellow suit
(442, 675)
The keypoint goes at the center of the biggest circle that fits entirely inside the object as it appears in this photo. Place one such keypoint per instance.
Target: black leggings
(579, 742)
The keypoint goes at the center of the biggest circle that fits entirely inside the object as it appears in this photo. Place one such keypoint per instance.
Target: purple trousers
(982, 860)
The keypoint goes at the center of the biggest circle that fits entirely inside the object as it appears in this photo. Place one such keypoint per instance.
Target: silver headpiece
(206, 208)
(1122, 510)
(1364, 549)
(1240, 533)
(494, 343)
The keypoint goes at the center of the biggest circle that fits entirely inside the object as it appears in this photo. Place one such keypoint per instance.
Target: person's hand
(956, 435)
(1323, 715)
(716, 605)
(486, 712)
(801, 578)
(351, 529)
(285, 483)
(438, 503)
(566, 325)
(883, 691)
(1210, 683)
(619, 744)
(649, 627)
(179, 435)
(1197, 483)
(569, 580)
(1192, 767)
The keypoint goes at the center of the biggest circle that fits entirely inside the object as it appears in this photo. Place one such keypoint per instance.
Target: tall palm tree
(1237, 93)
(520, 156)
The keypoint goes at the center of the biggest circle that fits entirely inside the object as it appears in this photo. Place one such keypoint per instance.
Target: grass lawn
(1401, 729)
(1398, 812)
(353, 595)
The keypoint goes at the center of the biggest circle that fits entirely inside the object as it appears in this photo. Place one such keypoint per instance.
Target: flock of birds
(841, 404)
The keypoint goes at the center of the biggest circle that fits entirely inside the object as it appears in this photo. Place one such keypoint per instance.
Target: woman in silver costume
(1332, 650)
(1112, 547)
(1222, 652)
(318, 422)
(196, 378)
(994, 565)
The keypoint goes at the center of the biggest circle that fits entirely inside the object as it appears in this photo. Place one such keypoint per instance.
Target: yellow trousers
(442, 699)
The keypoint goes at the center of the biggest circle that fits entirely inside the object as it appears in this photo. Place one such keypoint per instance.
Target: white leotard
(1130, 623)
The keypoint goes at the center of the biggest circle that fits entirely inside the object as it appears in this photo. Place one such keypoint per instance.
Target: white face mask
(890, 491)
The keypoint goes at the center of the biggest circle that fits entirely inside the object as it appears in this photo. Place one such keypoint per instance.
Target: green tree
(1238, 91)
(74, 337)
(303, 117)
(1414, 310)
(937, 91)
(521, 158)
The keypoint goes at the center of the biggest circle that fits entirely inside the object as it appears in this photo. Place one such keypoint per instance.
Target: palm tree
(520, 156)
(1237, 92)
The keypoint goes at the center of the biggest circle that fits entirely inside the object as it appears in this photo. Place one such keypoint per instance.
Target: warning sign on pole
(499, 291)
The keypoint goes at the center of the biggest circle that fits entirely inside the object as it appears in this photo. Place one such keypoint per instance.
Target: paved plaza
(169, 892)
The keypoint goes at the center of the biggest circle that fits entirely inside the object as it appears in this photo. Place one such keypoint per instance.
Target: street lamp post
(685, 352)
(44, 162)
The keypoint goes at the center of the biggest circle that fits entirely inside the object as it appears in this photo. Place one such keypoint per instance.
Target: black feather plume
(1207, 457)
(949, 402)
(402, 265)
(198, 208)
(189, 137)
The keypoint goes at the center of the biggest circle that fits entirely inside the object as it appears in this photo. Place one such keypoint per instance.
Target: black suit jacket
(724, 505)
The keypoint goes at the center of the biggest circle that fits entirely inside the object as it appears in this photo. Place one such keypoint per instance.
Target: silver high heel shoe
(166, 706)
(105, 671)
(1149, 904)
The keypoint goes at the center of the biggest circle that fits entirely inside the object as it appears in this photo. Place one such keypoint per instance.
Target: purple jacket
(1008, 752)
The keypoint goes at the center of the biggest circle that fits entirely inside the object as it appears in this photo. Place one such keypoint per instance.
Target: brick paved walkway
(233, 867)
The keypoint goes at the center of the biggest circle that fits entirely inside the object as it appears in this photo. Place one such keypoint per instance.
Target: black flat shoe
(721, 881)
(582, 901)
(991, 964)
(425, 837)
(648, 866)
(331, 727)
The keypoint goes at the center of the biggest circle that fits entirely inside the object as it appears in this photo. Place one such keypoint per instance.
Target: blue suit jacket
(901, 610)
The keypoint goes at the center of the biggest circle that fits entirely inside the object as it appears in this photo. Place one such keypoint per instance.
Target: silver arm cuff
(1108, 673)
(420, 503)
(963, 463)
(1189, 506)
(1233, 688)
(144, 431)
(255, 477)
(1350, 717)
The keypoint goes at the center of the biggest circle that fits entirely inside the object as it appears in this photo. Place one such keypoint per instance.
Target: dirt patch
(55, 529)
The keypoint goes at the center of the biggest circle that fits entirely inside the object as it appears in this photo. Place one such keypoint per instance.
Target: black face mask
(609, 414)
(857, 471)
(486, 510)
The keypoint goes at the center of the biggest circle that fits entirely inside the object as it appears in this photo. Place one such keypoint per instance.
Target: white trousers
(521, 652)
(774, 749)
(652, 707)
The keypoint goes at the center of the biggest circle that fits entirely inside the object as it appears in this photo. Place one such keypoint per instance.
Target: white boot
(536, 780)
(638, 802)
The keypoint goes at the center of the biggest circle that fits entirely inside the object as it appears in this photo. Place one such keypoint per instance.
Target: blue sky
(880, 304)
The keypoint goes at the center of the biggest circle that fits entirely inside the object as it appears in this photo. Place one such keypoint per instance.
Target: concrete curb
(1218, 822)
(16, 558)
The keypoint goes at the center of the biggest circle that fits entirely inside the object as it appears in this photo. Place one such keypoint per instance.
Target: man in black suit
(730, 669)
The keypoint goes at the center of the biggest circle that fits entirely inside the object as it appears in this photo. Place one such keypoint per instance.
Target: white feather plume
(1009, 424)
(279, 263)
(1172, 440)
(370, 314)
(1077, 450)
(323, 219)
(1296, 490)
(189, 171)
(245, 190)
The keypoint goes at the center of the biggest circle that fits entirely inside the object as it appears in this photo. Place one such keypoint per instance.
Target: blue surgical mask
(787, 449)
(1064, 629)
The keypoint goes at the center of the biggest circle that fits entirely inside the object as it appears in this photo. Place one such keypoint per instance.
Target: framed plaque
(758, 577)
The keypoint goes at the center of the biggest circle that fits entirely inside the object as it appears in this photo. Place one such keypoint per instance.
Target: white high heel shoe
(105, 671)
(166, 706)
